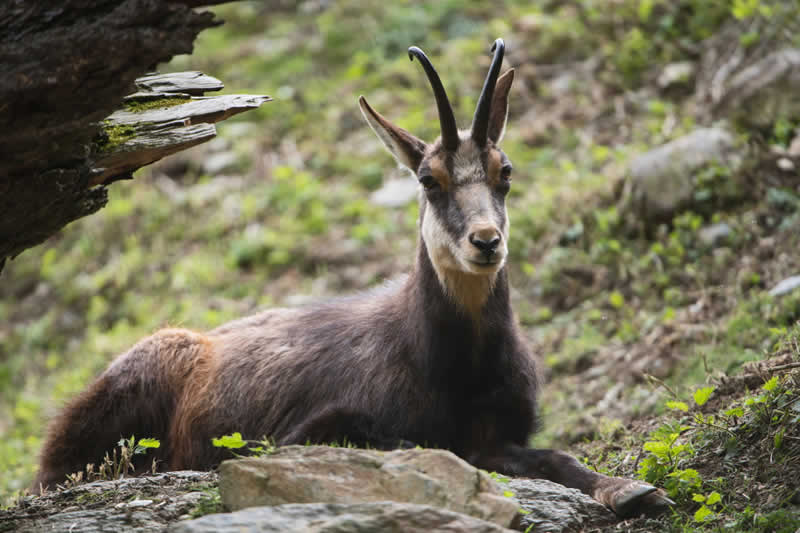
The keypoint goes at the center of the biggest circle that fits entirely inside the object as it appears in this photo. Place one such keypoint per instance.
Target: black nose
(487, 247)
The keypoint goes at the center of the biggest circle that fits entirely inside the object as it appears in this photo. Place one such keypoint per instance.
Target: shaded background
(297, 201)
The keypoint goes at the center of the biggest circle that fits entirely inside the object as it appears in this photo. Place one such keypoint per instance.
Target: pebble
(786, 164)
(715, 234)
(133, 504)
(794, 147)
(676, 73)
(785, 286)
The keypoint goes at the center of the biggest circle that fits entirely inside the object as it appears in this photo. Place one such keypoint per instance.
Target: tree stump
(64, 68)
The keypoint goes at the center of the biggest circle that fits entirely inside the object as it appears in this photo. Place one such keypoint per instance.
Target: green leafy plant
(709, 502)
(209, 503)
(234, 441)
(666, 454)
(118, 463)
(762, 425)
(668, 451)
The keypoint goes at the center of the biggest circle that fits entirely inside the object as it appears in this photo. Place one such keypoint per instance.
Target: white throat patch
(467, 290)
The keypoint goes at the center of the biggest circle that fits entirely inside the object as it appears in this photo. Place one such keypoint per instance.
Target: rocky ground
(134, 504)
(302, 488)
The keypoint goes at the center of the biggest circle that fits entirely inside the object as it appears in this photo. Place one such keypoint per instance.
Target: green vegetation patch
(113, 135)
(209, 503)
(137, 106)
(737, 465)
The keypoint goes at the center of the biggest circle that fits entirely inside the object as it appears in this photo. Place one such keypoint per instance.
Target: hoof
(628, 498)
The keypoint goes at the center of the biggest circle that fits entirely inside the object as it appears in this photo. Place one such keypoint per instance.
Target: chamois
(435, 358)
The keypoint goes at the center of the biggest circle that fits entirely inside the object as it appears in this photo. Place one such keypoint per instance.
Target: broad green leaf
(616, 299)
(149, 443)
(703, 514)
(701, 395)
(771, 384)
(658, 448)
(736, 411)
(645, 8)
(679, 449)
(699, 498)
(754, 400)
(229, 441)
(689, 475)
(680, 406)
(777, 441)
(508, 494)
(713, 498)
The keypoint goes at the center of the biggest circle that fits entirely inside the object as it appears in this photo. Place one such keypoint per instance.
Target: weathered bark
(65, 67)
(156, 124)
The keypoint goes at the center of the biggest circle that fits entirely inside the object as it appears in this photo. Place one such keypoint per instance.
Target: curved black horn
(480, 122)
(447, 121)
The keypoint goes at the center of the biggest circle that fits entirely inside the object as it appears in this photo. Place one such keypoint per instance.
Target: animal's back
(279, 369)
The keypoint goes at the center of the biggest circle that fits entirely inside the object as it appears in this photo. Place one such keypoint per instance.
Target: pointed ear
(499, 112)
(407, 149)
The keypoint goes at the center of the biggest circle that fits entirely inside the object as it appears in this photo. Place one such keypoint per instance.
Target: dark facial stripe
(449, 214)
(444, 204)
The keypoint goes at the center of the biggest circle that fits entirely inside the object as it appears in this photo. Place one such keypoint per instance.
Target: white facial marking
(467, 163)
(463, 270)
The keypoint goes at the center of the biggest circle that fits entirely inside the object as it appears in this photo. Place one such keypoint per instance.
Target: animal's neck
(470, 292)
(450, 344)
(475, 302)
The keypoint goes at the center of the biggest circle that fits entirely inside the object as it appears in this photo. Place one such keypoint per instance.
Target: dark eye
(505, 173)
(505, 179)
(429, 183)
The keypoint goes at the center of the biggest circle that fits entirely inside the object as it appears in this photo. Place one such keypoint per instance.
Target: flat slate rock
(386, 517)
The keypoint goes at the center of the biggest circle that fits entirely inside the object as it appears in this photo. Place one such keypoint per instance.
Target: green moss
(114, 134)
(137, 106)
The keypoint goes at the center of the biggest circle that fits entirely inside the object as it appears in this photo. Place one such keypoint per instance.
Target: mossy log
(66, 67)
(155, 124)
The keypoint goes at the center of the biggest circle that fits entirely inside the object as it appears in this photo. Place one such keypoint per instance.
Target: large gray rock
(764, 91)
(663, 180)
(386, 517)
(309, 474)
(552, 507)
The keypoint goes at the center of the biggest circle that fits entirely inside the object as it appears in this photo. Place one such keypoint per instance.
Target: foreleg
(626, 497)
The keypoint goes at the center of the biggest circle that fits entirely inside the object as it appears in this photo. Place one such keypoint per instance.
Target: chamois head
(464, 177)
